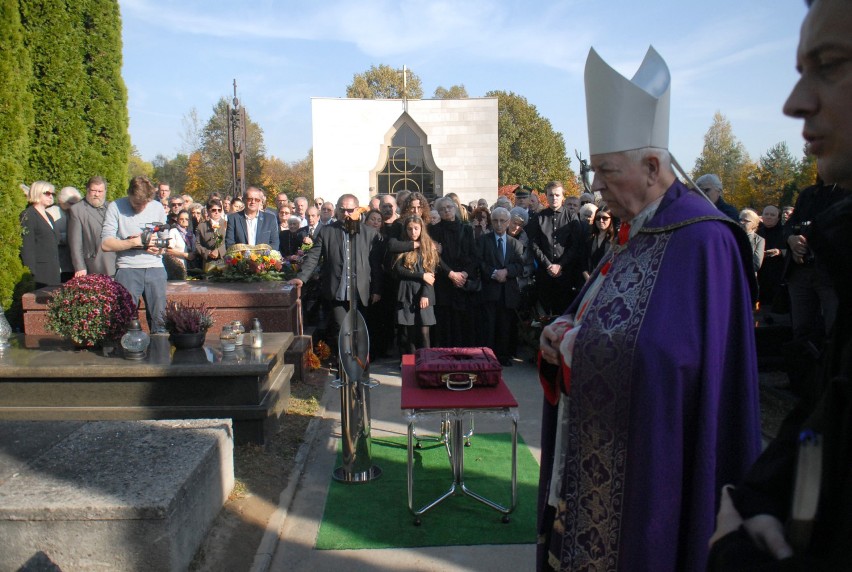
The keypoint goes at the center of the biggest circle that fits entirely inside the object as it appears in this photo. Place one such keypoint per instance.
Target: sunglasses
(49, 193)
(604, 218)
(215, 210)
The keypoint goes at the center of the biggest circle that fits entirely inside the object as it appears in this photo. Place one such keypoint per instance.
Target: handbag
(457, 369)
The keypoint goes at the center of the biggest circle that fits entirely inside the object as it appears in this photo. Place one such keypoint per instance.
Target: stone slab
(275, 304)
(118, 495)
(43, 378)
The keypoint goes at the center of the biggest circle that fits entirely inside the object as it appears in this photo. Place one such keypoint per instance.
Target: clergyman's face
(619, 180)
(821, 96)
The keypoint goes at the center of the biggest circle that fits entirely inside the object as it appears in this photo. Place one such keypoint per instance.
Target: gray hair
(69, 195)
(501, 211)
(441, 201)
(520, 212)
(588, 210)
(295, 219)
(710, 180)
(662, 155)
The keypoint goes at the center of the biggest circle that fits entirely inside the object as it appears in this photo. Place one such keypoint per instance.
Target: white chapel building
(377, 146)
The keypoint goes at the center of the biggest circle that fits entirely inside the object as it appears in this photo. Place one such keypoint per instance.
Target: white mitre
(627, 114)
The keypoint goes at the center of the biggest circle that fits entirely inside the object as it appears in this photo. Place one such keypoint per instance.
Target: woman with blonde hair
(750, 220)
(416, 293)
(40, 237)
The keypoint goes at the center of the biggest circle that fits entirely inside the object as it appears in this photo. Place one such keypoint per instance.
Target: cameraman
(139, 266)
(813, 299)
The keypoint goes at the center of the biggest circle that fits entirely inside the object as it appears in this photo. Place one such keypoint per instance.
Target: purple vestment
(663, 407)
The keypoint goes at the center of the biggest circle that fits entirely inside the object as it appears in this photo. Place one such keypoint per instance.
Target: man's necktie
(500, 256)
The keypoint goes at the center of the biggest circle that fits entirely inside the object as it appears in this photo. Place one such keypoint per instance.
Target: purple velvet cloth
(664, 406)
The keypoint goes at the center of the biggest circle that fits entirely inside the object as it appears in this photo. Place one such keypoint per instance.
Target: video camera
(155, 234)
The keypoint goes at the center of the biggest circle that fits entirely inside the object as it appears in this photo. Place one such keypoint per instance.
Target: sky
(732, 56)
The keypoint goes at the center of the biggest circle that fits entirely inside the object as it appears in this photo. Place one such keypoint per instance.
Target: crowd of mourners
(453, 274)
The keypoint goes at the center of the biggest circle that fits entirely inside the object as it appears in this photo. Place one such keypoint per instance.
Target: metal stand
(354, 382)
(455, 444)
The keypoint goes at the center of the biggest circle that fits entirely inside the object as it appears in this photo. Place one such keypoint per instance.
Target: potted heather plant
(90, 310)
(187, 324)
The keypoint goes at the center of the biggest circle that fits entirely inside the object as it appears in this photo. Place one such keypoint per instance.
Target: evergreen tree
(529, 151)
(59, 139)
(16, 119)
(775, 176)
(724, 155)
(105, 111)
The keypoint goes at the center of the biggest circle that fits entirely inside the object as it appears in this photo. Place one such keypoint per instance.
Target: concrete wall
(349, 136)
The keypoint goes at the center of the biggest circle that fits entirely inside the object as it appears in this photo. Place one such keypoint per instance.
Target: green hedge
(16, 120)
(80, 98)
(63, 110)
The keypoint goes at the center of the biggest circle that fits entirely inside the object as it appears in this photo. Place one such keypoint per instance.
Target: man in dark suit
(329, 245)
(557, 244)
(253, 225)
(501, 262)
(85, 224)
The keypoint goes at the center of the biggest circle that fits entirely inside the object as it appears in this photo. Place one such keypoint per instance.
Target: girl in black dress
(416, 294)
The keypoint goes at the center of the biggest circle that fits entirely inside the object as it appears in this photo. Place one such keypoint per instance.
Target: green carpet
(375, 514)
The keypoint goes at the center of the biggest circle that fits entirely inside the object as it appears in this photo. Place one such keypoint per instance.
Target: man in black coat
(557, 244)
(501, 261)
(751, 532)
(329, 245)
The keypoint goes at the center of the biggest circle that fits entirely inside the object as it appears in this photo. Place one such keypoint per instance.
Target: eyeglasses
(253, 200)
(49, 193)
(215, 210)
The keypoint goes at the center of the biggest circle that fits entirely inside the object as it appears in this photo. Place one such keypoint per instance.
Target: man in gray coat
(85, 223)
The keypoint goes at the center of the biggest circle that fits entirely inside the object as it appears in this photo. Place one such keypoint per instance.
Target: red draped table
(453, 406)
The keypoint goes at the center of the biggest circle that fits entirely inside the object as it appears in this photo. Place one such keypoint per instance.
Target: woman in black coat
(416, 293)
(600, 240)
(455, 277)
(40, 238)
